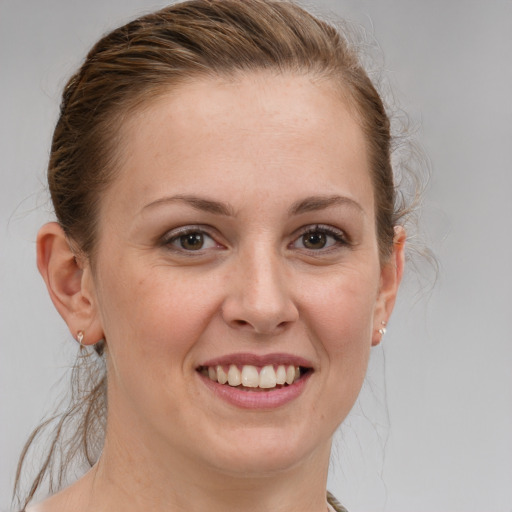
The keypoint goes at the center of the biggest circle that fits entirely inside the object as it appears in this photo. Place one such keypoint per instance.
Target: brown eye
(315, 240)
(320, 238)
(192, 241)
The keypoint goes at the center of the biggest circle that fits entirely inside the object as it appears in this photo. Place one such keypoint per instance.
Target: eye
(317, 238)
(189, 240)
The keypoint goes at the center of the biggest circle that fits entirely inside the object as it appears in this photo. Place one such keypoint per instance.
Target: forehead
(259, 131)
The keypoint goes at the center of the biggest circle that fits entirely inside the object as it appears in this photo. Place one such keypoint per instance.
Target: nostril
(261, 329)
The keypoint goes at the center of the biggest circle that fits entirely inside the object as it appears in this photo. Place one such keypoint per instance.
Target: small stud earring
(80, 337)
(382, 330)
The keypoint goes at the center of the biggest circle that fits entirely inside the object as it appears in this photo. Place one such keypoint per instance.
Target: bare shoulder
(38, 507)
(70, 499)
(47, 505)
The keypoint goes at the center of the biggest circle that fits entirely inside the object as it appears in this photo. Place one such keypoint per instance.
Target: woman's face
(239, 234)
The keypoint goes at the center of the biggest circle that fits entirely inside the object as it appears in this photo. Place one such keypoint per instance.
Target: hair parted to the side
(132, 66)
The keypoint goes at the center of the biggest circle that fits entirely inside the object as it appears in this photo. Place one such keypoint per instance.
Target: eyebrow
(309, 204)
(315, 203)
(198, 203)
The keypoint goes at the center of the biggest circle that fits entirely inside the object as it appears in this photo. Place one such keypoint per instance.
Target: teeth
(281, 374)
(234, 376)
(222, 376)
(290, 374)
(267, 377)
(251, 376)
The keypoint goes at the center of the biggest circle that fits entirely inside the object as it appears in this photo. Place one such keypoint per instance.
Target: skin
(262, 146)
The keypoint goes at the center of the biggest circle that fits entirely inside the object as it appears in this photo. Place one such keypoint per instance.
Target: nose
(258, 295)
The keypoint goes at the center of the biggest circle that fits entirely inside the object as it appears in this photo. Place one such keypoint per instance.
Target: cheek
(342, 311)
(152, 322)
(155, 313)
(342, 323)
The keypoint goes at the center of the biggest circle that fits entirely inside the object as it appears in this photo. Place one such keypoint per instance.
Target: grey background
(442, 441)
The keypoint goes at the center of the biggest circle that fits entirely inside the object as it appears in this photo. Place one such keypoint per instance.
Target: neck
(139, 481)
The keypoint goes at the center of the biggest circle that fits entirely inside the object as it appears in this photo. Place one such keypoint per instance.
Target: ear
(69, 281)
(390, 276)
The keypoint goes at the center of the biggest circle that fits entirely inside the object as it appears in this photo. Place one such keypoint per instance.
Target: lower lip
(256, 399)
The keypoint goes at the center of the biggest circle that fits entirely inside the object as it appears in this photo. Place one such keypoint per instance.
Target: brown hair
(134, 64)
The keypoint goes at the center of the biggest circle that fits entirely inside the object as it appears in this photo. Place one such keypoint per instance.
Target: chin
(260, 452)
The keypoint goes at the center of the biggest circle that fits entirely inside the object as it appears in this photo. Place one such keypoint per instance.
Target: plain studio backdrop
(432, 430)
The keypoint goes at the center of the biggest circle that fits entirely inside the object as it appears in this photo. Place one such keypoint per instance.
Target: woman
(228, 242)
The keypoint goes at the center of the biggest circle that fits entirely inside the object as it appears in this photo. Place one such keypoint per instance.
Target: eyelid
(174, 234)
(338, 234)
(184, 230)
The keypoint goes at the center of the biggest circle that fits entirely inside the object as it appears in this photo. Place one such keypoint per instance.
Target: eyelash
(340, 238)
(174, 236)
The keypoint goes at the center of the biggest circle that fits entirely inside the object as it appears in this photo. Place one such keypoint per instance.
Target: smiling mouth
(255, 378)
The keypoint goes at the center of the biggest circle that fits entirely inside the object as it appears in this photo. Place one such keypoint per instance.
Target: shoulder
(33, 508)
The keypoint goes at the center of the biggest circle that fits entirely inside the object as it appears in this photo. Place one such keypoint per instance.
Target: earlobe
(391, 276)
(69, 282)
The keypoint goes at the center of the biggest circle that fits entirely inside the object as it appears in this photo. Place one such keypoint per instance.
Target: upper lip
(258, 360)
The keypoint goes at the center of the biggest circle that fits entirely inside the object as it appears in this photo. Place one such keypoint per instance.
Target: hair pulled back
(133, 65)
(146, 57)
